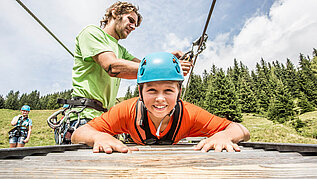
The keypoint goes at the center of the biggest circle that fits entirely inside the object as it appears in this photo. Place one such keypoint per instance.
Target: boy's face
(24, 113)
(126, 24)
(160, 97)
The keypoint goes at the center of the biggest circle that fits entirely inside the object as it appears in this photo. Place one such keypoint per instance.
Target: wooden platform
(177, 161)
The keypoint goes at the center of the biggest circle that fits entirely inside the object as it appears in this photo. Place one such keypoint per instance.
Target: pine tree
(194, 91)
(136, 91)
(281, 104)
(314, 63)
(128, 94)
(291, 79)
(279, 70)
(304, 104)
(67, 94)
(24, 100)
(2, 101)
(263, 89)
(247, 98)
(307, 80)
(12, 100)
(205, 83)
(43, 102)
(221, 98)
(52, 101)
(245, 89)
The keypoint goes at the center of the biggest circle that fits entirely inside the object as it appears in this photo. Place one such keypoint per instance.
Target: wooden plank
(164, 162)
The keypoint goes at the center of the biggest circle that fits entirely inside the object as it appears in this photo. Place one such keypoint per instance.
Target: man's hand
(186, 65)
(218, 141)
(106, 143)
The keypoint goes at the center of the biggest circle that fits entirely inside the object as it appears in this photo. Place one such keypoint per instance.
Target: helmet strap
(140, 92)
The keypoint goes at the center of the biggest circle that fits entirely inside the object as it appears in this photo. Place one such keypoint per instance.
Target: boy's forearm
(85, 134)
(237, 132)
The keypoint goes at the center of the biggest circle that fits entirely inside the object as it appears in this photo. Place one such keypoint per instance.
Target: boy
(159, 116)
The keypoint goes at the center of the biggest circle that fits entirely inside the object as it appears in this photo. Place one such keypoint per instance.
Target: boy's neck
(156, 121)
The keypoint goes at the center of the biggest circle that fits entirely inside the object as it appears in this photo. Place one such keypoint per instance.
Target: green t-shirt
(90, 80)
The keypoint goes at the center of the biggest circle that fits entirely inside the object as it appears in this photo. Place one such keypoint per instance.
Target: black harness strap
(81, 102)
(169, 138)
(17, 131)
(139, 122)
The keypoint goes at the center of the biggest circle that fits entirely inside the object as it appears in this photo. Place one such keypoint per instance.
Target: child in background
(21, 133)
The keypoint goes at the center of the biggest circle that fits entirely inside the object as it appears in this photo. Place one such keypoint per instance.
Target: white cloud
(289, 29)
(172, 42)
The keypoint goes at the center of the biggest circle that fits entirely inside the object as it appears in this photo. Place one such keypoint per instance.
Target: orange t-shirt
(196, 122)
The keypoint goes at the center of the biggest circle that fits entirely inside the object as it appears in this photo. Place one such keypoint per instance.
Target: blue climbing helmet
(161, 66)
(25, 108)
(65, 105)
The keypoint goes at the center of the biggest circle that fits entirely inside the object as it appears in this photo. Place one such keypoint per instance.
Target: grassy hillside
(262, 130)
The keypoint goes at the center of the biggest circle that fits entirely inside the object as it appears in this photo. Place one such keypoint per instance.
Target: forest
(275, 90)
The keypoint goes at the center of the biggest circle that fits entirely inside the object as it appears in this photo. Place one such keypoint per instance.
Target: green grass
(310, 129)
(261, 129)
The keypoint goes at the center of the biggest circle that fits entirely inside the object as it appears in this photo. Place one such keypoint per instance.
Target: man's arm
(225, 139)
(115, 67)
(100, 141)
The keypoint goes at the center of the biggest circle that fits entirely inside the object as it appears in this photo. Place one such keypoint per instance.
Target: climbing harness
(63, 127)
(81, 102)
(142, 127)
(17, 131)
(199, 45)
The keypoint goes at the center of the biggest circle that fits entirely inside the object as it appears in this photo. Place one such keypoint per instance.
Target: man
(100, 61)
(158, 116)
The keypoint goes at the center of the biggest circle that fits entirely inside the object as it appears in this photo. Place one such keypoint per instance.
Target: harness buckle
(150, 141)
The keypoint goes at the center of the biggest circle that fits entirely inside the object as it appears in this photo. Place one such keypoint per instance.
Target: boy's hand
(218, 142)
(106, 143)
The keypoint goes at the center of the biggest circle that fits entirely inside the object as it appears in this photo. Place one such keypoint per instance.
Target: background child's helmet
(25, 108)
(65, 105)
(161, 66)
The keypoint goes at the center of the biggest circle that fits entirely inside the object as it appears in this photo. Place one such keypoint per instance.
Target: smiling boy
(158, 116)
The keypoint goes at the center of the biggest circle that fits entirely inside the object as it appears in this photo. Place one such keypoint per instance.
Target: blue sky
(244, 29)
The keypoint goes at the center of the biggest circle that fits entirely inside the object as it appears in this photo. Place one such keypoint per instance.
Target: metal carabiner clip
(197, 47)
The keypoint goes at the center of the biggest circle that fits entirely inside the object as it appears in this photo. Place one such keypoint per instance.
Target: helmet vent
(176, 65)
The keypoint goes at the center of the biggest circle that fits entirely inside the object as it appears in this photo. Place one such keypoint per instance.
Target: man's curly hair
(120, 8)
